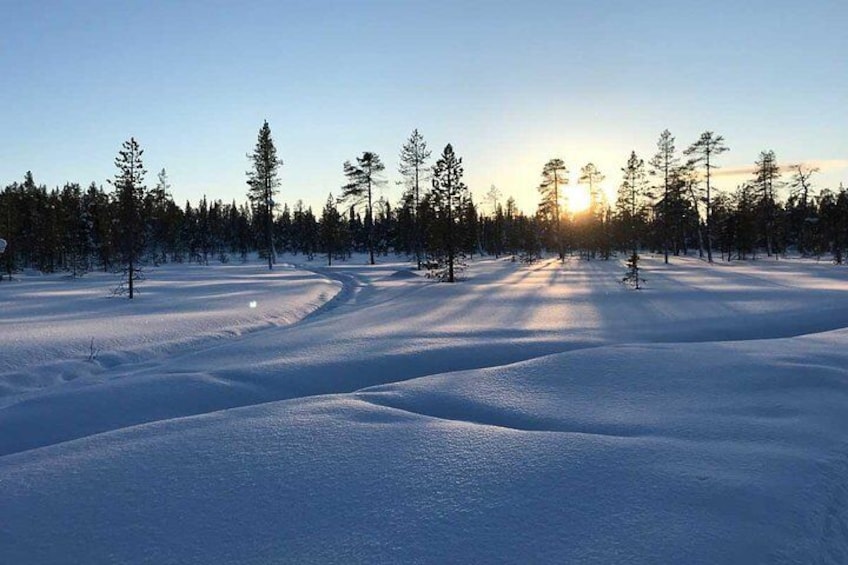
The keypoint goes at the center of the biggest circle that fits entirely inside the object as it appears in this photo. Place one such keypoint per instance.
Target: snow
(76, 320)
(537, 413)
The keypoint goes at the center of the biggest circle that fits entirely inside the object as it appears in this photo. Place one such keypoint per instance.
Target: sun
(577, 198)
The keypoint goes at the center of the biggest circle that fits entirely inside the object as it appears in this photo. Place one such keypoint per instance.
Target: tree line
(667, 204)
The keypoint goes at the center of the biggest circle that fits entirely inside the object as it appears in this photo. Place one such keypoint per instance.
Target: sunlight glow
(577, 198)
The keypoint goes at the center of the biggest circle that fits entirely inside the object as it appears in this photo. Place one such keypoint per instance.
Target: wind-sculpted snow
(528, 414)
(55, 329)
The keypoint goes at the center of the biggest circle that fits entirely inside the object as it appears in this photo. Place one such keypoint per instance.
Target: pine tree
(263, 186)
(766, 177)
(554, 176)
(493, 199)
(363, 179)
(800, 188)
(663, 165)
(130, 194)
(449, 197)
(592, 177)
(413, 167)
(632, 205)
(705, 150)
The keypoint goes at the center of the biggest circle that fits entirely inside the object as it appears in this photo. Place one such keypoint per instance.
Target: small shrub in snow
(632, 278)
(529, 257)
(123, 288)
(92, 352)
(439, 268)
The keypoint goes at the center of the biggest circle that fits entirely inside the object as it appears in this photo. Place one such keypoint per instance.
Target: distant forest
(667, 204)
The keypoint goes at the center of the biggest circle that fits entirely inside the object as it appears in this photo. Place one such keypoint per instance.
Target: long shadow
(104, 407)
(312, 357)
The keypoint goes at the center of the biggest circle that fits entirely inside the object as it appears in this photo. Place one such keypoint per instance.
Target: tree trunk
(370, 223)
(130, 275)
(417, 226)
(709, 216)
(665, 216)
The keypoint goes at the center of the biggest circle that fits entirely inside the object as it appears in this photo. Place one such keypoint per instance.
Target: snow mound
(403, 274)
(537, 413)
(59, 330)
(614, 454)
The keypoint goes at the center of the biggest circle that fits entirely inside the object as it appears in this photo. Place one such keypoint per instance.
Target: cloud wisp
(821, 164)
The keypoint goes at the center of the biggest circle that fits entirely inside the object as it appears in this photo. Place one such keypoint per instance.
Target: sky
(509, 84)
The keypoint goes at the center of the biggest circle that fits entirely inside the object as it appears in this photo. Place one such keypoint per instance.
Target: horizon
(334, 81)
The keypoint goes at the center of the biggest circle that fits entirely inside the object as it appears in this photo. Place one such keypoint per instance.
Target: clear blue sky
(511, 84)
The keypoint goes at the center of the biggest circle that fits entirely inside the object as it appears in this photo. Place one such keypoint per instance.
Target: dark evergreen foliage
(75, 230)
(413, 167)
(632, 278)
(663, 164)
(130, 196)
(263, 186)
(448, 198)
(554, 179)
(363, 178)
(704, 152)
(331, 230)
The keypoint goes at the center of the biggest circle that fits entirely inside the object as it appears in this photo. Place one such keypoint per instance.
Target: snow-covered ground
(527, 414)
(50, 321)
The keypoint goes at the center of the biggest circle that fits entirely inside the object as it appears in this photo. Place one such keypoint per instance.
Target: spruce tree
(203, 231)
(744, 221)
(8, 199)
(76, 237)
(263, 185)
(449, 197)
(330, 230)
(632, 276)
(157, 203)
(130, 194)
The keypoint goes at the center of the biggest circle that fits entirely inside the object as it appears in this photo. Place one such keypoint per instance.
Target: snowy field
(363, 414)
(56, 317)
